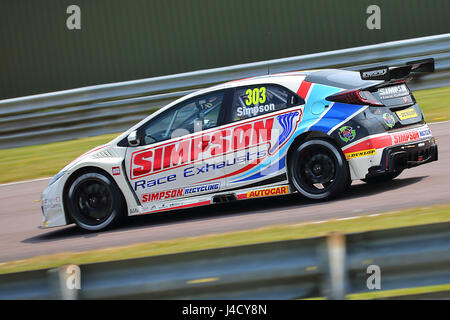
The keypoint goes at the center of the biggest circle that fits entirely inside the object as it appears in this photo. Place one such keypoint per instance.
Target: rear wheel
(95, 202)
(318, 170)
(383, 178)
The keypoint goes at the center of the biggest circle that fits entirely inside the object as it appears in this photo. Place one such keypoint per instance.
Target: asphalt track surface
(20, 213)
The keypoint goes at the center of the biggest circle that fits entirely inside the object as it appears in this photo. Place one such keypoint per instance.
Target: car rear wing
(411, 69)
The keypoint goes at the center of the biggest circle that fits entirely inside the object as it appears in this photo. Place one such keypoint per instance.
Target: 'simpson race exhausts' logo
(172, 155)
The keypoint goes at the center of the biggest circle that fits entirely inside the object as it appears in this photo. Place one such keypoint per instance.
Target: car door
(262, 120)
(175, 158)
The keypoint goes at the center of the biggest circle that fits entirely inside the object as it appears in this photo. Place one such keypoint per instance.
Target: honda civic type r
(306, 132)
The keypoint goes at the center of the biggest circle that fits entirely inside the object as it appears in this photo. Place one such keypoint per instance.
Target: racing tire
(382, 178)
(318, 170)
(95, 202)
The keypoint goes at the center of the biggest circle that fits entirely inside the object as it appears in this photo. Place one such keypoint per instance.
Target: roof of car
(271, 78)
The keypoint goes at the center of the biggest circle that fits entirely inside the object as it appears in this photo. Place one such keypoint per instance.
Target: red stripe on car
(371, 143)
(304, 89)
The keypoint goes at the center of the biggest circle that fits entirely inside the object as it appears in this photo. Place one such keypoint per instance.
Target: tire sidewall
(342, 177)
(116, 211)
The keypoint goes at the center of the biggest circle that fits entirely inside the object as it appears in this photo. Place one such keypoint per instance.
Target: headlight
(56, 177)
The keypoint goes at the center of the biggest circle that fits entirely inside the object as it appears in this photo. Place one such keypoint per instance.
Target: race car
(306, 132)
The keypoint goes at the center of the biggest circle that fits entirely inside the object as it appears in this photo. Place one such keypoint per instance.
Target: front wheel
(95, 202)
(318, 170)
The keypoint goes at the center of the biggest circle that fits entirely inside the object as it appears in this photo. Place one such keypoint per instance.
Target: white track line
(439, 122)
(26, 181)
(349, 218)
(344, 218)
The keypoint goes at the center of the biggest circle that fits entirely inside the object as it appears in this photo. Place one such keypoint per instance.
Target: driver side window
(191, 116)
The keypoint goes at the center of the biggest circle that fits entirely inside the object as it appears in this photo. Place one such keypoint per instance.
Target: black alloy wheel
(95, 202)
(318, 169)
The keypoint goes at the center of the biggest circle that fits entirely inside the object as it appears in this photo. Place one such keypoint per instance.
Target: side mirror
(133, 140)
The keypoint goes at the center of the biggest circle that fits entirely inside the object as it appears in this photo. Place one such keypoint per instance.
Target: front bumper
(400, 157)
(52, 206)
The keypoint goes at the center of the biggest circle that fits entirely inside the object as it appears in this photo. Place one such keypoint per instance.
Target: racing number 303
(255, 96)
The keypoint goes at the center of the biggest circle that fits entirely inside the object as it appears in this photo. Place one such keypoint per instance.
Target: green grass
(409, 217)
(382, 294)
(435, 103)
(46, 160)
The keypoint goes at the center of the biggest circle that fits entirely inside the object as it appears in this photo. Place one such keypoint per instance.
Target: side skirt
(203, 200)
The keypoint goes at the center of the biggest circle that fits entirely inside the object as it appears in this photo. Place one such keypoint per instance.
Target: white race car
(309, 132)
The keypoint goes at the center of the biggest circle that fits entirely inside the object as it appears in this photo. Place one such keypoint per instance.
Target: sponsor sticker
(403, 137)
(389, 120)
(393, 92)
(425, 133)
(155, 196)
(176, 193)
(358, 154)
(213, 144)
(116, 171)
(208, 187)
(347, 133)
(268, 192)
(407, 114)
(52, 203)
(253, 111)
(375, 73)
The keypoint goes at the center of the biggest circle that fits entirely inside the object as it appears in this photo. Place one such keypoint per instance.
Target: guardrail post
(58, 281)
(336, 279)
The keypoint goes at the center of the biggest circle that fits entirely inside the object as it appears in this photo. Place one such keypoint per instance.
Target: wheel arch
(309, 135)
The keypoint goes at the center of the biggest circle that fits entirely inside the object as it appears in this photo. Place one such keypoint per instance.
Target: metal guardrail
(331, 266)
(115, 107)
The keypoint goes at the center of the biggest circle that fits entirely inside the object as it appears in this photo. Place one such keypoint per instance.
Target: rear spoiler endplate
(386, 73)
